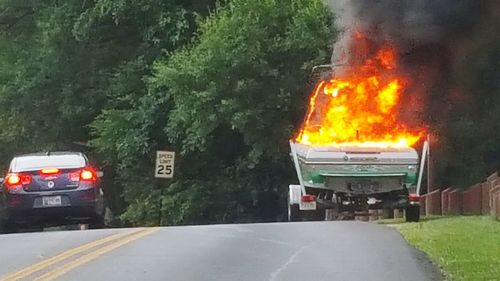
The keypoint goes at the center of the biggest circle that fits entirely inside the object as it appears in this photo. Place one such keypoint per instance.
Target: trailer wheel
(293, 212)
(320, 214)
(412, 213)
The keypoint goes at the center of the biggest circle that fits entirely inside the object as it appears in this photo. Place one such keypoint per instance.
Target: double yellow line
(110, 243)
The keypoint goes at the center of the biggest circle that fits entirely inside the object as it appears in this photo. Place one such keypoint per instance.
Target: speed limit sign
(165, 164)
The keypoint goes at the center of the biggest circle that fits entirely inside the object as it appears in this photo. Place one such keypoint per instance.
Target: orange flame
(360, 109)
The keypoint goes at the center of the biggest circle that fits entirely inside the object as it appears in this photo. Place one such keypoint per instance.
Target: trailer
(349, 181)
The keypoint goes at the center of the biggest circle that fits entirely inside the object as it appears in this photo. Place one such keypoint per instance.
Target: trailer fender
(294, 193)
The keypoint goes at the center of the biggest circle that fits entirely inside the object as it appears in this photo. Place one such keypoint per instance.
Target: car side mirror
(99, 174)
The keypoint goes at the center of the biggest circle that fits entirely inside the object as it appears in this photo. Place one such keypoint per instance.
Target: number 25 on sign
(165, 161)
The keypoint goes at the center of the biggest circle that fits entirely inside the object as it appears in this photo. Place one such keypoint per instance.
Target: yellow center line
(67, 267)
(64, 255)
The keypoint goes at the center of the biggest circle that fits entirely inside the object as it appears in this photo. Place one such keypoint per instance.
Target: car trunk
(62, 180)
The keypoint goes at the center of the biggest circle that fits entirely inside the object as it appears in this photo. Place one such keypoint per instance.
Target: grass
(466, 248)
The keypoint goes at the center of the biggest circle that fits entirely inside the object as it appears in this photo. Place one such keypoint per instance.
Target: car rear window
(33, 163)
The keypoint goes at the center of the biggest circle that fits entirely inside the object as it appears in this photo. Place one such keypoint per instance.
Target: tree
(469, 136)
(238, 93)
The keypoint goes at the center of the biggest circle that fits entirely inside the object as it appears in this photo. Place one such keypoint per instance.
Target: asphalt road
(275, 251)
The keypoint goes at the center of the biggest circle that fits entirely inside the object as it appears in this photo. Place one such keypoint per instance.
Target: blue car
(49, 189)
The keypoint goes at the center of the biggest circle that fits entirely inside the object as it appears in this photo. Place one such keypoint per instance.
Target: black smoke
(407, 24)
(425, 33)
(450, 49)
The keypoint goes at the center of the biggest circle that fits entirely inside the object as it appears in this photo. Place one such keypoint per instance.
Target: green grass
(466, 248)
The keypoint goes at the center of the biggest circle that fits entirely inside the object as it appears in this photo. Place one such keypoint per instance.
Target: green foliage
(121, 79)
(236, 93)
(41, 80)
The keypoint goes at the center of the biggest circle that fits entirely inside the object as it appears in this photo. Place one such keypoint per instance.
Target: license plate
(48, 201)
(307, 206)
(365, 187)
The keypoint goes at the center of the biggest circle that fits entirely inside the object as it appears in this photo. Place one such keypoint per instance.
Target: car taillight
(87, 175)
(25, 179)
(75, 176)
(13, 180)
(49, 171)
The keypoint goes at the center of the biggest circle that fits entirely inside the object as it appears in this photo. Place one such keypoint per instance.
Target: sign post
(165, 161)
(164, 169)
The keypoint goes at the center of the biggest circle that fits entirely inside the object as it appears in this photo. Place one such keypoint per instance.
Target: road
(270, 252)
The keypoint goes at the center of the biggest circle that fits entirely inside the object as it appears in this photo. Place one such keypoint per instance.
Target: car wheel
(2, 227)
(412, 213)
(7, 226)
(97, 222)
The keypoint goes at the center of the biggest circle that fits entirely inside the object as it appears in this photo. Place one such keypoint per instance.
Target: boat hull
(357, 170)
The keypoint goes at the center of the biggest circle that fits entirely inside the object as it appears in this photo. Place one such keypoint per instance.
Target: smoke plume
(427, 35)
(450, 49)
(406, 24)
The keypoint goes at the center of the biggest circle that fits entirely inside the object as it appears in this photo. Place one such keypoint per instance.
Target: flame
(361, 108)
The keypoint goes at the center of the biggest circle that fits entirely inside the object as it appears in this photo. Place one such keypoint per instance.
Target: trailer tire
(320, 214)
(293, 212)
(412, 213)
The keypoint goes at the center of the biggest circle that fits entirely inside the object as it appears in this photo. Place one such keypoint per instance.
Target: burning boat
(354, 150)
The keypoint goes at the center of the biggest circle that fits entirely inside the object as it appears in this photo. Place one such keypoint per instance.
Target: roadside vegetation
(222, 83)
(466, 248)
